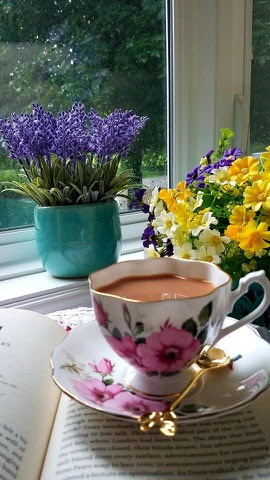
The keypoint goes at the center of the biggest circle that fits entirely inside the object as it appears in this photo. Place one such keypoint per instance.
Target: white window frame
(210, 66)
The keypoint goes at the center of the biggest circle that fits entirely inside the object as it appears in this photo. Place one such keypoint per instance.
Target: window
(105, 54)
(260, 77)
(208, 61)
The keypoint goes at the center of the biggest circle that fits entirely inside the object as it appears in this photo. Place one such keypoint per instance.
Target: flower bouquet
(219, 214)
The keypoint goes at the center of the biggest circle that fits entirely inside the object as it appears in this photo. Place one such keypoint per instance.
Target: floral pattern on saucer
(95, 384)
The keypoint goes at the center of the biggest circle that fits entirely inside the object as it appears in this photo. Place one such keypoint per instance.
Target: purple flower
(169, 249)
(148, 236)
(228, 157)
(114, 134)
(233, 152)
(208, 155)
(192, 175)
(29, 136)
(137, 201)
(72, 135)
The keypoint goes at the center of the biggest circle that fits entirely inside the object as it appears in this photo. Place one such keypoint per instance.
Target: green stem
(215, 197)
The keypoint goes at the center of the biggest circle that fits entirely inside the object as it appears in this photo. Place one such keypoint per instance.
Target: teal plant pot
(73, 241)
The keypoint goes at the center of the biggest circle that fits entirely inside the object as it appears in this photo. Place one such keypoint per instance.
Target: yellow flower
(266, 176)
(150, 252)
(266, 164)
(172, 197)
(244, 169)
(240, 215)
(249, 254)
(179, 236)
(266, 216)
(201, 221)
(257, 195)
(261, 253)
(183, 193)
(246, 268)
(182, 214)
(168, 196)
(253, 237)
(232, 231)
(265, 156)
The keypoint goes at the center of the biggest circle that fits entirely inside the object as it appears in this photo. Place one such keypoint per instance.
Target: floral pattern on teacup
(164, 352)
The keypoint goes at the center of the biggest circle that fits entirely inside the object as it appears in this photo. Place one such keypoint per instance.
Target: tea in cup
(158, 315)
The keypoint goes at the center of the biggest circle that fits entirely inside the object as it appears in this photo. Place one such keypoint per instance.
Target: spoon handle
(187, 388)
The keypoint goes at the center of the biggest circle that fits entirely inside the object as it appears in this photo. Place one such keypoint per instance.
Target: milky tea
(154, 288)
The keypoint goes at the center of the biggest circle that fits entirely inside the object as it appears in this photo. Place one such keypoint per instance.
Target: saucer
(87, 369)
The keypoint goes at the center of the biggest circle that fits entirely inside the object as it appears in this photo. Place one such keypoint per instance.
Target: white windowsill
(43, 293)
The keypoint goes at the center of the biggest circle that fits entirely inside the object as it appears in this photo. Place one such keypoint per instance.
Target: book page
(87, 444)
(28, 395)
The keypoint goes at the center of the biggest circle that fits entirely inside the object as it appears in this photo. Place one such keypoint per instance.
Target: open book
(45, 435)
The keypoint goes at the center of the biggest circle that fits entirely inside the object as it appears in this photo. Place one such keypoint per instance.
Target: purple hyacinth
(12, 140)
(115, 133)
(149, 236)
(29, 136)
(72, 135)
(69, 135)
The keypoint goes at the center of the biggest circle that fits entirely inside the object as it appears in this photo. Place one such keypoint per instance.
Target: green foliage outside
(260, 76)
(105, 54)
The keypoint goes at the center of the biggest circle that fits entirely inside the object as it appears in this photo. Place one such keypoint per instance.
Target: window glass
(260, 77)
(106, 54)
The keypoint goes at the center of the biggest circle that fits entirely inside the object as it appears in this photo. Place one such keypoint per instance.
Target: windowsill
(43, 293)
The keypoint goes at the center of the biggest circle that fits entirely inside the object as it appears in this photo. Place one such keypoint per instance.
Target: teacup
(160, 339)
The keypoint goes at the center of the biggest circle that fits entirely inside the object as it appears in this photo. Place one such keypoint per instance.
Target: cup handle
(253, 277)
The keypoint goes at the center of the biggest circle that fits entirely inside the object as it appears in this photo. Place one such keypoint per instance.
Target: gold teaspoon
(209, 359)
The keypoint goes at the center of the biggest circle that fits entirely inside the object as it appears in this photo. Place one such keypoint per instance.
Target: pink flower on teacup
(101, 315)
(104, 367)
(168, 350)
(96, 391)
(125, 348)
(129, 403)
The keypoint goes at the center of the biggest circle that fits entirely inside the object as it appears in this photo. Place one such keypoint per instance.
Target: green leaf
(127, 316)
(139, 328)
(202, 335)
(190, 326)
(108, 381)
(116, 333)
(205, 314)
